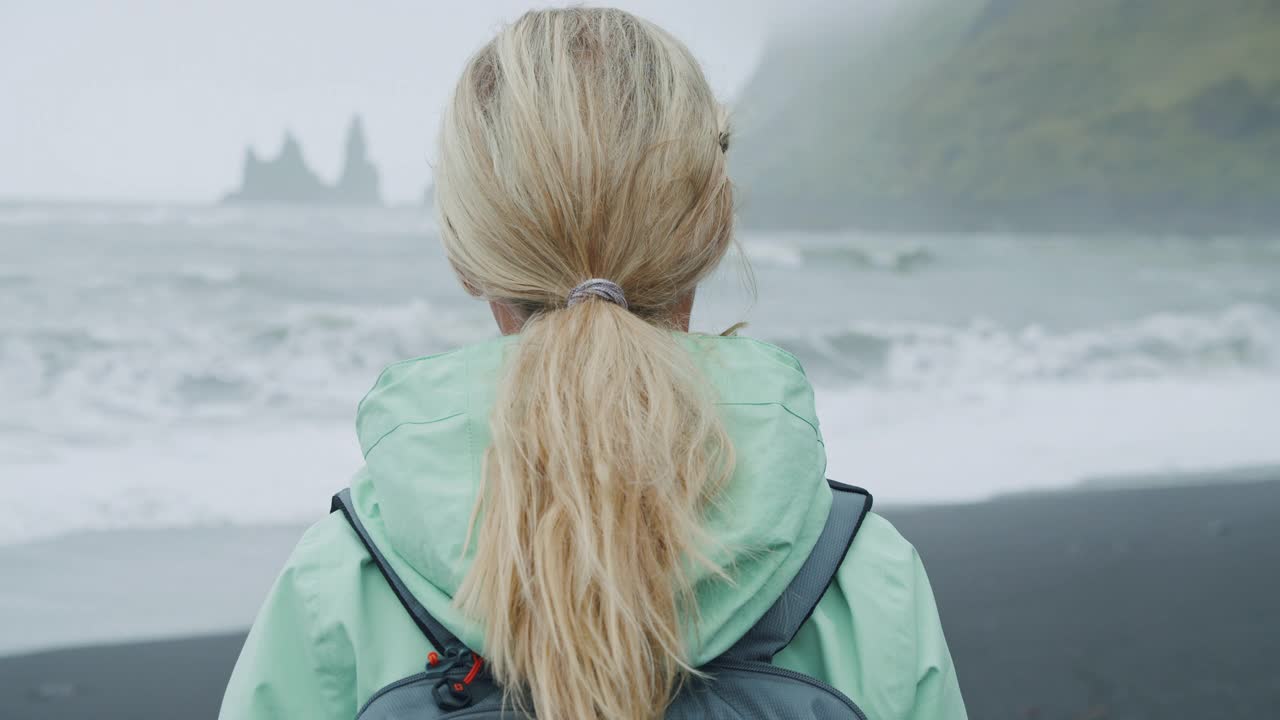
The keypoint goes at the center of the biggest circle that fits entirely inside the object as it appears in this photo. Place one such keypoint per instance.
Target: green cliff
(1039, 115)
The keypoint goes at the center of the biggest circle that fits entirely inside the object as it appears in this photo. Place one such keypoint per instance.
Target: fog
(153, 101)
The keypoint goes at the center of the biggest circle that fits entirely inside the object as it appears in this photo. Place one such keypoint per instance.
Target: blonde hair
(586, 143)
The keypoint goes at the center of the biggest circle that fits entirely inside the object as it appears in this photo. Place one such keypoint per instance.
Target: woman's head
(585, 143)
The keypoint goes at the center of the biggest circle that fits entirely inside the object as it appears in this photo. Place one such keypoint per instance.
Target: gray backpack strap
(438, 635)
(774, 631)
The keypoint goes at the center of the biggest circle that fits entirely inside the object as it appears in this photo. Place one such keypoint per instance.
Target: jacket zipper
(762, 667)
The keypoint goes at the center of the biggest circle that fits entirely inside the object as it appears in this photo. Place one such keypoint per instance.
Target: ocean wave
(904, 446)
(765, 252)
(1241, 338)
(310, 359)
(210, 274)
(13, 280)
(157, 425)
(318, 358)
(903, 258)
(894, 257)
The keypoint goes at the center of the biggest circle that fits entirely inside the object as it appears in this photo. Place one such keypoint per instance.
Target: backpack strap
(438, 635)
(780, 623)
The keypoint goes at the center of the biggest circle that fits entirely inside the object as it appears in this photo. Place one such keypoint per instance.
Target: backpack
(742, 683)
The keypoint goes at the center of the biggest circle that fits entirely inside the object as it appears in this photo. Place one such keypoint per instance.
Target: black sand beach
(1094, 604)
(1128, 604)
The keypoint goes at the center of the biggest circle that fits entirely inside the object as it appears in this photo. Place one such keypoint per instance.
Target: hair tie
(607, 290)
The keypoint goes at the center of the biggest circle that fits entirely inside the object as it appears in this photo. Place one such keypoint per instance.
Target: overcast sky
(155, 100)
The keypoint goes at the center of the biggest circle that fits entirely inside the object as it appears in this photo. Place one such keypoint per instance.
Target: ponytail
(605, 449)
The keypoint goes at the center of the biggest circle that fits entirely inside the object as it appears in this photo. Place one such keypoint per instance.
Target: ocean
(179, 366)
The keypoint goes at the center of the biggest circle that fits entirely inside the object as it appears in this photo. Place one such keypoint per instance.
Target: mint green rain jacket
(331, 633)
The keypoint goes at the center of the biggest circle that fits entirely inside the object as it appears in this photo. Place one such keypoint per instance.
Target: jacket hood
(424, 426)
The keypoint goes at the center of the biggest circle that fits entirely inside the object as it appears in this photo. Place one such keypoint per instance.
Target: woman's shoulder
(324, 571)
(350, 607)
(328, 553)
(328, 614)
(864, 636)
(880, 580)
(879, 553)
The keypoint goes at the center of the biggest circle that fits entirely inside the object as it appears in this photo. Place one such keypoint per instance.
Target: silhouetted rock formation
(358, 184)
(287, 180)
(284, 179)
